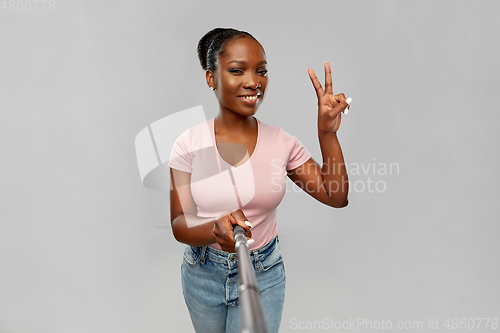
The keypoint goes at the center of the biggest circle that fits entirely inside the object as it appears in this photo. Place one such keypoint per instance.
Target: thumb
(241, 220)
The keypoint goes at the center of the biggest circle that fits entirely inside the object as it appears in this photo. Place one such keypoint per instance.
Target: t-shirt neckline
(212, 128)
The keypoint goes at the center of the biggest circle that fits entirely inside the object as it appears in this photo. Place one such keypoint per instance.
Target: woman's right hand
(223, 229)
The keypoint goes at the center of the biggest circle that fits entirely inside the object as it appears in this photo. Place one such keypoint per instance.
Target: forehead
(245, 48)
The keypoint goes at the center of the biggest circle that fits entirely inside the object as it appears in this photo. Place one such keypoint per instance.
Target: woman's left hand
(329, 105)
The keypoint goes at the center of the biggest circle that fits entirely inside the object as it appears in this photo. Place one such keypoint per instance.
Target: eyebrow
(244, 62)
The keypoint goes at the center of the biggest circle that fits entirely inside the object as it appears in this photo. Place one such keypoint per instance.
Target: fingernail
(250, 241)
(348, 101)
(248, 224)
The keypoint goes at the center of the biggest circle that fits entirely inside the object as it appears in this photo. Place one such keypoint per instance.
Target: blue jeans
(210, 286)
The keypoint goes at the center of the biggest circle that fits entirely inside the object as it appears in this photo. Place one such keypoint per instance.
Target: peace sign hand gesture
(329, 105)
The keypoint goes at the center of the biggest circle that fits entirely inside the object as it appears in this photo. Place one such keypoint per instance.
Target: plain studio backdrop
(85, 247)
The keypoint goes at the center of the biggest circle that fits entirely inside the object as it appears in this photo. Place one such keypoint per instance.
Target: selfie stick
(251, 314)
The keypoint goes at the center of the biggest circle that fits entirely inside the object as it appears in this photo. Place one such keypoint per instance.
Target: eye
(263, 72)
(235, 70)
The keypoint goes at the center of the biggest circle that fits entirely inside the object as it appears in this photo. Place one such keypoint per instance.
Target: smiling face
(241, 76)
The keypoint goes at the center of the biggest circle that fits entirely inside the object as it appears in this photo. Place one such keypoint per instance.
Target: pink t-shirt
(256, 187)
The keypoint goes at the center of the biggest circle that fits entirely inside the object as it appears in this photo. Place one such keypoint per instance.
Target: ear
(209, 75)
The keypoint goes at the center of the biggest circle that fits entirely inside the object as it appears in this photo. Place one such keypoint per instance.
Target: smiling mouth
(250, 97)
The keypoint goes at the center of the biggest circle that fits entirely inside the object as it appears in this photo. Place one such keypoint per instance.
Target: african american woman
(204, 209)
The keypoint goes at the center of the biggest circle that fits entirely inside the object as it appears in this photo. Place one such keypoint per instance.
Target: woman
(204, 208)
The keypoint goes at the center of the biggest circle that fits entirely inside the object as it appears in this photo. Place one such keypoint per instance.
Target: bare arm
(329, 183)
(186, 226)
(334, 172)
(189, 229)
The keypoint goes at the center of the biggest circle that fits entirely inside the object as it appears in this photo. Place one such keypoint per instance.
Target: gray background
(84, 247)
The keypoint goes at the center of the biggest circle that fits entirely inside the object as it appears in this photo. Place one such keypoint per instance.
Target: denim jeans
(210, 286)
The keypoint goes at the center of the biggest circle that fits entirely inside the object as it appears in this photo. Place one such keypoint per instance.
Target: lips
(250, 100)
(250, 97)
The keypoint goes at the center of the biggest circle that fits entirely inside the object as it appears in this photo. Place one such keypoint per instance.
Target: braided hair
(211, 46)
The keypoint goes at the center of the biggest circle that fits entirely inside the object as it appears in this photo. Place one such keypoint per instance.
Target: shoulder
(271, 131)
(200, 128)
(199, 133)
(278, 133)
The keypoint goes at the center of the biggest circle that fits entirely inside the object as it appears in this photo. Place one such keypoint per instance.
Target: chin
(246, 112)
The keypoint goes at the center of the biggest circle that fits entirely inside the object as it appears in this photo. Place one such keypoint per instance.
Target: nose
(252, 82)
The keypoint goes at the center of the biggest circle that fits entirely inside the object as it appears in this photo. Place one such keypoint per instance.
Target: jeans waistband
(227, 258)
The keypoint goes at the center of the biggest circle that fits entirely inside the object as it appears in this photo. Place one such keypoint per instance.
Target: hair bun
(211, 45)
(204, 45)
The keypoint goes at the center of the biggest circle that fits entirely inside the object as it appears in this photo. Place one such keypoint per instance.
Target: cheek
(233, 83)
(264, 82)
(229, 86)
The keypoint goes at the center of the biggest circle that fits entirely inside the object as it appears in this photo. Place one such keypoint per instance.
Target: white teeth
(250, 97)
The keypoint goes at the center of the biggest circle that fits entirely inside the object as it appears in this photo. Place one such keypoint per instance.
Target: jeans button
(233, 258)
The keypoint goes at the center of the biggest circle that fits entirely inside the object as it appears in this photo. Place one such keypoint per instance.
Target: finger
(348, 101)
(221, 217)
(224, 228)
(240, 218)
(242, 221)
(219, 220)
(248, 233)
(232, 221)
(338, 108)
(317, 85)
(328, 79)
(341, 107)
(340, 97)
(331, 101)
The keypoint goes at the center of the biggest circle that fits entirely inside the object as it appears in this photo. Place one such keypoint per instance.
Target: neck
(232, 122)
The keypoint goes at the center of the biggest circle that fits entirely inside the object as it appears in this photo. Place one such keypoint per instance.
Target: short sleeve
(297, 152)
(180, 157)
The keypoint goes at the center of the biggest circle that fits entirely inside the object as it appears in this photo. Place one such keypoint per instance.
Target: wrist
(326, 135)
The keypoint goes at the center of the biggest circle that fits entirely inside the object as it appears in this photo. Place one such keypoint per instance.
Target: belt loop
(255, 254)
(203, 254)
